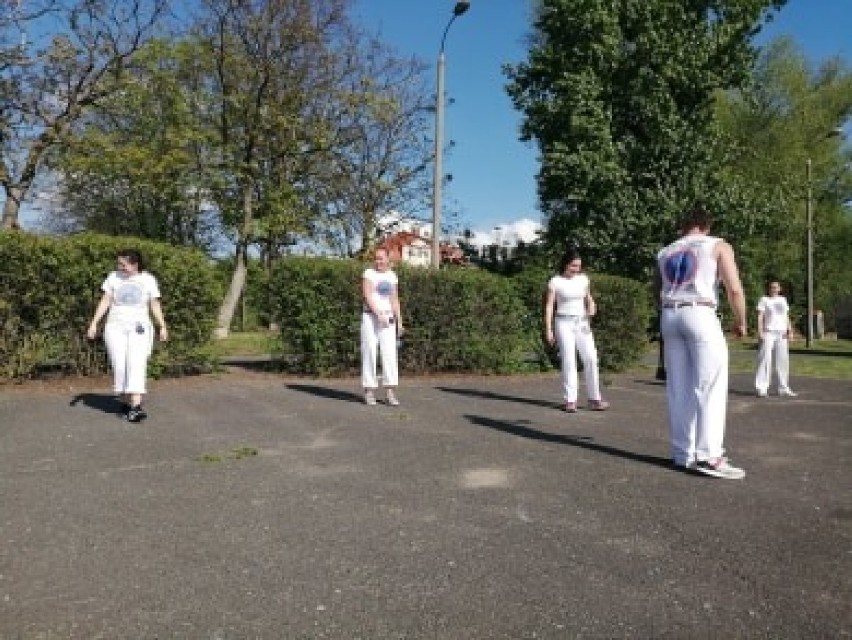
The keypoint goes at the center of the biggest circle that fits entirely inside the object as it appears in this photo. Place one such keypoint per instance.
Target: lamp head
(461, 7)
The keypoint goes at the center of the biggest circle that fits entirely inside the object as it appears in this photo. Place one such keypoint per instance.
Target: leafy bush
(620, 326)
(456, 320)
(51, 286)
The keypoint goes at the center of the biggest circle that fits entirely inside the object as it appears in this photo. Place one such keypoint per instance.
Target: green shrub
(620, 326)
(50, 288)
(455, 320)
(317, 303)
(463, 320)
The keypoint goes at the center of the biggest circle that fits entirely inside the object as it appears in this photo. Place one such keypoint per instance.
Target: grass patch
(234, 454)
(249, 343)
(829, 358)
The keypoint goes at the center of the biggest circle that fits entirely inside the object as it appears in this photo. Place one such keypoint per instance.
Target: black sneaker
(136, 414)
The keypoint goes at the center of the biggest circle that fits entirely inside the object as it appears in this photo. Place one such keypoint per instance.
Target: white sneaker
(789, 393)
(720, 468)
(370, 397)
(392, 399)
(761, 393)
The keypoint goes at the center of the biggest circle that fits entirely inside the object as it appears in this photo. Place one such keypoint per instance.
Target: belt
(693, 303)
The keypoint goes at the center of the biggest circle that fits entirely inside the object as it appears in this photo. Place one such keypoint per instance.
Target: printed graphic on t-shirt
(384, 288)
(129, 293)
(680, 267)
(778, 308)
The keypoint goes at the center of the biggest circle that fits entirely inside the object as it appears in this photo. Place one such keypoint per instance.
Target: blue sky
(493, 172)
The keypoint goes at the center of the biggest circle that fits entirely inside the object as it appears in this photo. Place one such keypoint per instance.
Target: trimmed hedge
(462, 320)
(455, 320)
(50, 288)
(620, 326)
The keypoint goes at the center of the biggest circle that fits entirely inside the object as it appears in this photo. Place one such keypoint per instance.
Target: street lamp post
(437, 178)
(809, 217)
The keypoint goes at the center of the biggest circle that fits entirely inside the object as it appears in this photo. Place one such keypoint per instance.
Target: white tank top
(570, 294)
(689, 270)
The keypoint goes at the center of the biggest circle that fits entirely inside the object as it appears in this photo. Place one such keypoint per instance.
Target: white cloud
(508, 234)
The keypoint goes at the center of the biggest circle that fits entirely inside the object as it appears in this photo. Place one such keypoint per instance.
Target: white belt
(679, 304)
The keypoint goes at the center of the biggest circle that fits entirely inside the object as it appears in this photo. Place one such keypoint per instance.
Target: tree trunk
(12, 208)
(238, 280)
(232, 297)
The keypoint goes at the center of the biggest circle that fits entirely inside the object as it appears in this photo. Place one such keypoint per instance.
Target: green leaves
(619, 97)
(51, 288)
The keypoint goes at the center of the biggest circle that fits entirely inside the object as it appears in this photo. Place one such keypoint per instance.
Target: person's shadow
(107, 403)
(491, 395)
(325, 392)
(517, 428)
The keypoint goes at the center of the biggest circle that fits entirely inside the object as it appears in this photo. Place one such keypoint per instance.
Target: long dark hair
(133, 257)
(571, 253)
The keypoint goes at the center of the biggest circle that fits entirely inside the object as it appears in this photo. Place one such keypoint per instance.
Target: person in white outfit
(773, 327)
(381, 325)
(129, 293)
(567, 311)
(695, 350)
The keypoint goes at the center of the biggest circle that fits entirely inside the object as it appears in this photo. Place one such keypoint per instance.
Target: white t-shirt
(570, 294)
(382, 284)
(775, 313)
(131, 295)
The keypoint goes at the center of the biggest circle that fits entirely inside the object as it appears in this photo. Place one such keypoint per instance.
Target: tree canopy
(619, 97)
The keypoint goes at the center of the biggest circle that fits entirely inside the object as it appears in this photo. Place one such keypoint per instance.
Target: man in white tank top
(773, 329)
(695, 350)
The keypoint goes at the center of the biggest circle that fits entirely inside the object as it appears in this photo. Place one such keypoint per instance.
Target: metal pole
(810, 251)
(437, 179)
(661, 353)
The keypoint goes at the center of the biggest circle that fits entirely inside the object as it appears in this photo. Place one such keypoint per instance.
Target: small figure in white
(774, 331)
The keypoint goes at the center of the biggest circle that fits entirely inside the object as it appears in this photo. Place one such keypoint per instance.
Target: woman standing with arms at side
(566, 317)
(129, 293)
(381, 323)
(774, 331)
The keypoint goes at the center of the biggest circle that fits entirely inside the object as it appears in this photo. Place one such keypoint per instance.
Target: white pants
(574, 335)
(774, 344)
(375, 338)
(129, 349)
(696, 356)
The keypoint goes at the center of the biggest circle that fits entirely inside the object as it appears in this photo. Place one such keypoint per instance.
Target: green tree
(139, 164)
(789, 114)
(270, 65)
(619, 97)
(378, 153)
(51, 82)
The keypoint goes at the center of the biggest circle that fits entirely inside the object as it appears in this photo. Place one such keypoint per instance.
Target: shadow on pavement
(804, 351)
(107, 403)
(584, 442)
(750, 393)
(490, 395)
(650, 383)
(325, 392)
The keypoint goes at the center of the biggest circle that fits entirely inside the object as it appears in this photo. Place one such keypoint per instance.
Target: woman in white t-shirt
(381, 324)
(566, 317)
(773, 327)
(129, 293)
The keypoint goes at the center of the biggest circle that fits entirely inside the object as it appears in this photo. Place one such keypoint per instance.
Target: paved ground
(475, 510)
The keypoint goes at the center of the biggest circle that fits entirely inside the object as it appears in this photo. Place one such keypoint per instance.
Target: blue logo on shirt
(680, 267)
(384, 288)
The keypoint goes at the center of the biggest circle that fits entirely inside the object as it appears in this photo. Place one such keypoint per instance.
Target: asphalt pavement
(259, 506)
